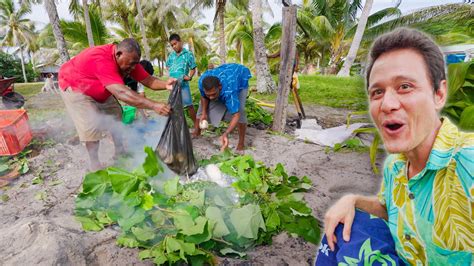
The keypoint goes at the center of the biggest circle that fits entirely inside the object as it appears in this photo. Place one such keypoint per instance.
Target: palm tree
(18, 30)
(76, 34)
(345, 70)
(239, 32)
(121, 12)
(52, 11)
(87, 21)
(142, 29)
(265, 82)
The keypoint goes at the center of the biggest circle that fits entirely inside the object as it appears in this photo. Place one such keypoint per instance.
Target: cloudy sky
(40, 17)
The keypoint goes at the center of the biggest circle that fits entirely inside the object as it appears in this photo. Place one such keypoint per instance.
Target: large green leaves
(247, 221)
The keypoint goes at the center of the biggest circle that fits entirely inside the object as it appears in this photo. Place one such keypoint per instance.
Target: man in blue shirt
(181, 65)
(223, 95)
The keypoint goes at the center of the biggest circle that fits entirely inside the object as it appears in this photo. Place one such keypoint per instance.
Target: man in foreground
(181, 65)
(223, 95)
(92, 82)
(427, 189)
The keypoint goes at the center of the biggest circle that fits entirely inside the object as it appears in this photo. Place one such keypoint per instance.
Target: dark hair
(130, 45)
(404, 38)
(147, 66)
(175, 37)
(210, 82)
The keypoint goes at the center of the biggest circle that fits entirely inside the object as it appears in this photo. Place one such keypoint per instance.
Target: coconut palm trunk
(143, 31)
(87, 21)
(22, 63)
(265, 82)
(220, 17)
(50, 7)
(351, 55)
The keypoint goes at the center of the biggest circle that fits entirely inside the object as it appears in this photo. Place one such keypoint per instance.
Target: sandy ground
(37, 226)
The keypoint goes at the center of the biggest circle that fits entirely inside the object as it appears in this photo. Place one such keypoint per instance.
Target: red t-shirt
(93, 69)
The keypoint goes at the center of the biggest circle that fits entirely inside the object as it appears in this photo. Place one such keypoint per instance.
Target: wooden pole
(287, 55)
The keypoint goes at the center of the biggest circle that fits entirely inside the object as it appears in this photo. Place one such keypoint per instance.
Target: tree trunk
(241, 53)
(22, 64)
(287, 54)
(87, 21)
(146, 47)
(265, 82)
(50, 7)
(222, 51)
(351, 55)
(32, 57)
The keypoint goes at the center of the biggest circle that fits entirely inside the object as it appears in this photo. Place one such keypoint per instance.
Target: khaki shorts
(90, 117)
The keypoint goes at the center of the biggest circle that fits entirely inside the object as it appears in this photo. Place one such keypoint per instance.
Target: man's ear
(118, 54)
(441, 95)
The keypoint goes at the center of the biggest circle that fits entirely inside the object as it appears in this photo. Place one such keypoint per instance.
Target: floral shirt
(180, 64)
(431, 215)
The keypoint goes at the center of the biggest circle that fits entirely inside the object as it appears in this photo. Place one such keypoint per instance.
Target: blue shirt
(233, 78)
(180, 64)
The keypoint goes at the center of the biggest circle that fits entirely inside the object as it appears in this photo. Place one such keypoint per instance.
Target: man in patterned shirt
(181, 65)
(427, 189)
(223, 95)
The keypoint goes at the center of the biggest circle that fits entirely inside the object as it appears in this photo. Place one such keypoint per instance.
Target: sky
(39, 16)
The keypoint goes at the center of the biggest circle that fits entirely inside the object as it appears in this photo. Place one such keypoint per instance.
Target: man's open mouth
(393, 126)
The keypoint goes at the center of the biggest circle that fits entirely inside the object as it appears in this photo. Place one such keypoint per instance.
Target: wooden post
(287, 55)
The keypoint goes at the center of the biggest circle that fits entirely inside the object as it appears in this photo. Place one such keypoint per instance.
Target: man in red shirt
(87, 83)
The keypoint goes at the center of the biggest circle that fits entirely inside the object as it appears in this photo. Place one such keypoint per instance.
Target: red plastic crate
(15, 133)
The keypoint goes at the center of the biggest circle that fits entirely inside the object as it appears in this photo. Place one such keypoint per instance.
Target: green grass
(321, 90)
(28, 89)
(314, 89)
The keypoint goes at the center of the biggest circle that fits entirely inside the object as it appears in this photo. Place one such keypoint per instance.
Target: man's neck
(418, 157)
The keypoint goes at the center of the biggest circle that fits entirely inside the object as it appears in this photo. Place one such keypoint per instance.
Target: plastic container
(128, 114)
(15, 133)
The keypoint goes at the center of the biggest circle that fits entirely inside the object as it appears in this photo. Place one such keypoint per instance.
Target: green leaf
(151, 166)
(466, 121)
(145, 254)
(306, 227)
(103, 218)
(206, 234)
(158, 217)
(172, 187)
(94, 184)
(123, 182)
(143, 234)
(227, 251)
(247, 220)
(89, 224)
(131, 218)
(456, 76)
(127, 241)
(273, 220)
(147, 202)
(220, 228)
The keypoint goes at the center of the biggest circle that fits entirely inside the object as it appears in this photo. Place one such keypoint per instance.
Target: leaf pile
(173, 222)
(256, 114)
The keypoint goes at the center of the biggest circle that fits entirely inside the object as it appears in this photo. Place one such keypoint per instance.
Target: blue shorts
(371, 244)
(186, 94)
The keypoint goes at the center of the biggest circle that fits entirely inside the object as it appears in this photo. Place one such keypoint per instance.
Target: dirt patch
(36, 218)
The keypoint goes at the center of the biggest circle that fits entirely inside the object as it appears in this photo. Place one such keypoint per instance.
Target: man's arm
(157, 84)
(124, 94)
(343, 211)
(190, 75)
(205, 106)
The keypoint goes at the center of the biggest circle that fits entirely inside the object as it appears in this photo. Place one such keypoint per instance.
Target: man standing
(427, 189)
(91, 83)
(223, 96)
(181, 65)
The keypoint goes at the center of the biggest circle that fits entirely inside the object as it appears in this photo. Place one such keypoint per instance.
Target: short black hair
(210, 82)
(147, 66)
(175, 37)
(130, 45)
(405, 38)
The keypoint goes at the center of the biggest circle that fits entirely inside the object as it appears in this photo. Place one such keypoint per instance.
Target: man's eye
(405, 86)
(376, 92)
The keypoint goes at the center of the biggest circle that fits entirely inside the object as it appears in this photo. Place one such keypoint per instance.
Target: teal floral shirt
(431, 215)
(180, 65)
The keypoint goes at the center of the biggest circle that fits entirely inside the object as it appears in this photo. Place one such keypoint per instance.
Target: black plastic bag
(175, 147)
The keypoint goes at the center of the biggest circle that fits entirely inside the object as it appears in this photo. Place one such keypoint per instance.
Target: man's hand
(224, 142)
(162, 109)
(186, 78)
(343, 211)
(170, 83)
